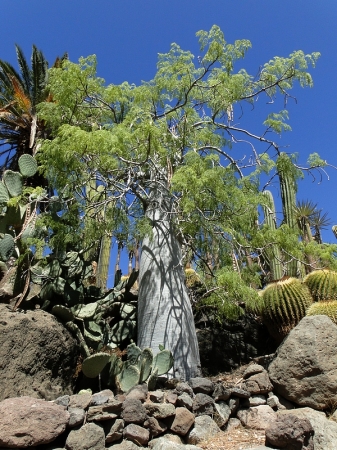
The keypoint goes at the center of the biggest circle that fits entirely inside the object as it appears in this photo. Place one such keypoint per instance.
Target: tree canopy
(179, 130)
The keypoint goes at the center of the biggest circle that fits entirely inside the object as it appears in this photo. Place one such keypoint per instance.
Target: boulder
(136, 434)
(290, 432)
(325, 437)
(21, 419)
(257, 417)
(204, 428)
(38, 356)
(133, 411)
(89, 437)
(305, 368)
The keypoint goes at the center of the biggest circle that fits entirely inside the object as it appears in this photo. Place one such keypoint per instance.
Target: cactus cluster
(324, 308)
(283, 304)
(140, 367)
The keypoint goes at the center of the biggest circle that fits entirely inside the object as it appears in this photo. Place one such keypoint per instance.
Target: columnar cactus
(272, 254)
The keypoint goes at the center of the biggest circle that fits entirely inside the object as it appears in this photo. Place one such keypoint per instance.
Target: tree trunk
(164, 309)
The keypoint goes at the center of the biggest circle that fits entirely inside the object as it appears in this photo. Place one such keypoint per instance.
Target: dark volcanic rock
(38, 355)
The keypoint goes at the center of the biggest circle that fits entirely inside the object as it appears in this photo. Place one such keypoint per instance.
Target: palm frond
(24, 69)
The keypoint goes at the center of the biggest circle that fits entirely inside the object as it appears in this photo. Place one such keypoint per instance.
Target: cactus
(145, 364)
(14, 182)
(272, 254)
(283, 305)
(85, 311)
(163, 361)
(94, 364)
(153, 380)
(4, 194)
(7, 247)
(128, 377)
(322, 285)
(63, 313)
(325, 308)
(27, 165)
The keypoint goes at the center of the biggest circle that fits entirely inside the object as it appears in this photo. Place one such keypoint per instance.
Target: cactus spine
(324, 308)
(322, 285)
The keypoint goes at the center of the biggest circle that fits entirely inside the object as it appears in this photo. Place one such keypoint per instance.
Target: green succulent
(283, 304)
(324, 308)
(322, 285)
(27, 165)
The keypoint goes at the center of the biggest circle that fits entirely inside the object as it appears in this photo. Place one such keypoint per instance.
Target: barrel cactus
(324, 308)
(322, 285)
(283, 304)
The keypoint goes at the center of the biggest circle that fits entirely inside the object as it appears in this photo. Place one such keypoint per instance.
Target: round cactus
(283, 305)
(324, 308)
(27, 165)
(322, 285)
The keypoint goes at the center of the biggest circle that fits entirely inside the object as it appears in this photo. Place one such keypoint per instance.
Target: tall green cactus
(283, 304)
(287, 176)
(273, 253)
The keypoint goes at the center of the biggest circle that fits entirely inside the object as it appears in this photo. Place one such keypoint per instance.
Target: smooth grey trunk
(164, 309)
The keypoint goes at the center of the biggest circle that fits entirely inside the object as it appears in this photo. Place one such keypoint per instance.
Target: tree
(159, 151)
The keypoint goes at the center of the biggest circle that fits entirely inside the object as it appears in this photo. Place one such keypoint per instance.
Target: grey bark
(164, 309)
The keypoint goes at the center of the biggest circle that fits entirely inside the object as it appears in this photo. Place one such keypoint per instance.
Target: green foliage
(227, 291)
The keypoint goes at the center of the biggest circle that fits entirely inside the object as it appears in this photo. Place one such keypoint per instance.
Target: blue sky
(127, 35)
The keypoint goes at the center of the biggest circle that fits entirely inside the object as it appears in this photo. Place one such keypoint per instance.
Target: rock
(221, 392)
(182, 422)
(165, 444)
(233, 423)
(136, 434)
(184, 387)
(102, 412)
(185, 400)
(233, 343)
(76, 417)
(157, 396)
(204, 428)
(113, 431)
(257, 400)
(305, 368)
(171, 397)
(173, 439)
(223, 413)
(325, 436)
(201, 385)
(101, 397)
(21, 419)
(125, 445)
(274, 402)
(203, 404)
(234, 403)
(80, 400)
(138, 392)
(155, 426)
(88, 437)
(133, 411)
(258, 383)
(37, 355)
(258, 417)
(252, 369)
(288, 431)
(238, 392)
(63, 401)
(160, 410)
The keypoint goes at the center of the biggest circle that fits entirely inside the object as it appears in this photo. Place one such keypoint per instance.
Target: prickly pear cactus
(128, 378)
(163, 362)
(7, 247)
(94, 364)
(27, 165)
(13, 182)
